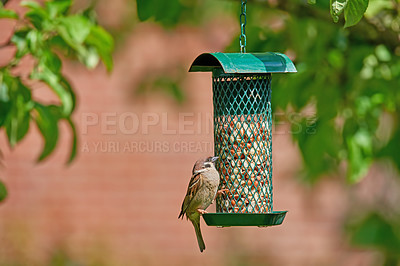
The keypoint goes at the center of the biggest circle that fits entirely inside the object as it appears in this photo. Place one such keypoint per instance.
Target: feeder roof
(243, 63)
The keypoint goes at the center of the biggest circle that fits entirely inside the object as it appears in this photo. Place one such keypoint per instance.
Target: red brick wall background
(118, 204)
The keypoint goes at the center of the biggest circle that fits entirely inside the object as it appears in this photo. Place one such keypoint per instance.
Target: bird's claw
(201, 211)
(222, 191)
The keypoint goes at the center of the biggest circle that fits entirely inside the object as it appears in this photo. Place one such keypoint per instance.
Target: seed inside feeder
(247, 160)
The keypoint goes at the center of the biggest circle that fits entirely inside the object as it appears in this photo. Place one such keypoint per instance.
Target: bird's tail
(200, 240)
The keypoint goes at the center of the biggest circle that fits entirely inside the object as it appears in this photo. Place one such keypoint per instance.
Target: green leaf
(5, 103)
(74, 29)
(391, 149)
(74, 141)
(57, 113)
(55, 82)
(354, 11)
(17, 122)
(5, 108)
(91, 58)
(4, 90)
(58, 42)
(31, 4)
(104, 44)
(34, 41)
(359, 155)
(3, 191)
(177, 92)
(64, 82)
(59, 7)
(48, 127)
(312, 2)
(90, 13)
(52, 61)
(6, 13)
(19, 39)
(36, 13)
(144, 9)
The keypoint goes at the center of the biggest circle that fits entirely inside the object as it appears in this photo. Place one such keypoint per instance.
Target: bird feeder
(242, 135)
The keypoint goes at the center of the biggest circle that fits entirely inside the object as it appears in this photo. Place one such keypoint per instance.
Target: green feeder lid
(244, 219)
(243, 63)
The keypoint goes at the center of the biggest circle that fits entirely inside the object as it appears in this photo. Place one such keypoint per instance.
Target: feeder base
(244, 219)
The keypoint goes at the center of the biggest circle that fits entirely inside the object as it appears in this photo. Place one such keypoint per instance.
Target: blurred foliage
(347, 82)
(375, 231)
(169, 85)
(171, 13)
(59, 255)
(3, 191)
(44, 33)
(348, 75)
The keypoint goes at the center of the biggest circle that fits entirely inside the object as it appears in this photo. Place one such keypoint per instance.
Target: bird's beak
(213, 159)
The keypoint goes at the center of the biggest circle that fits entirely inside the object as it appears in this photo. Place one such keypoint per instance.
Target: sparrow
(201, 192)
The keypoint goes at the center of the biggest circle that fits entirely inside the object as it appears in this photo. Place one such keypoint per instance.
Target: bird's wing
(194, 184)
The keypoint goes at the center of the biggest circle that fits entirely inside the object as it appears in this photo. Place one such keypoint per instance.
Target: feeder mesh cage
(242, 137)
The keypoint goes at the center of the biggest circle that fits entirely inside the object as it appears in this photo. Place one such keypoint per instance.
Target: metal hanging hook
(243, 22)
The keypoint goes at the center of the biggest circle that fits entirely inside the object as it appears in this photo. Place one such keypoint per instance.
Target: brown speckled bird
(201, 192)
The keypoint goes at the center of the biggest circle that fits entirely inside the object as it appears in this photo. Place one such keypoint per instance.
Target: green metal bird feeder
(242, 133)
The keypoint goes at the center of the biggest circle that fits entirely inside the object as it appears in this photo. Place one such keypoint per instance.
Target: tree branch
(371, 31)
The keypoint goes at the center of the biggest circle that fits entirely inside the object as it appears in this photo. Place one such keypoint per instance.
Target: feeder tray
(244, 219)
(242, 135)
